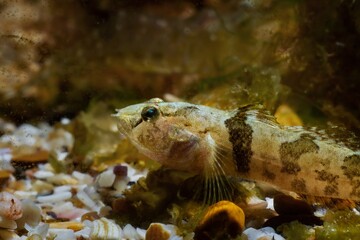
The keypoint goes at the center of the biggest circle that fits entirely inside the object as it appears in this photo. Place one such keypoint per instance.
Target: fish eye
(149, 113)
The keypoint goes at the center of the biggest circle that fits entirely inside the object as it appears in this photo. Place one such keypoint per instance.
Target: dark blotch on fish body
(290, 153)
(241, 138)
(351, 166)
(299, 185)
(355, 188)
(331, 180)
(268, 174)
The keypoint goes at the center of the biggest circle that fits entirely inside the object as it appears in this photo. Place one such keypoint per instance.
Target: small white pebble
(175, 238)
(57, 197)
(86, 200)
(41, 229)
(64, 188)
(85, 233)
(43, 174)
(321, 212)
(62, 234)
(141, 232)
(136, 177)
(31, 214)
(106, 178)
(65, 121)
(254, 200)
(83, 178)
(130, 232)
(25, 195)
(121, 184)
(266, 233)
(270, 203)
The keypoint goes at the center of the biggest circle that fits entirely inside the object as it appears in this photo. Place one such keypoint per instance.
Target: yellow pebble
(287, 117)
(157, 232)
(76, 226)
(222, 219)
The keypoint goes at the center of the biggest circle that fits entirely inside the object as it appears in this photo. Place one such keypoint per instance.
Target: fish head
(172, 133)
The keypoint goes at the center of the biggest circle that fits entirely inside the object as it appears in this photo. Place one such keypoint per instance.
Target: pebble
(43, 174)
(64, 188)
(56, 197)
(76, 226)
(129, 232)
(266, 233)
(7, 223)
(284, 204)
(222, 219)
(31, 214)
(104, 229)
(82, 177)
(62, 179)
(7, 234)
(160, 231)
(42, 187)
(291, 209)
(106, 178)
(87, 200)
(61, 234)
(10, 206)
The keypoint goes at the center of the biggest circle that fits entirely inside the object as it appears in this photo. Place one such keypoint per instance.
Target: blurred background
(58, 58)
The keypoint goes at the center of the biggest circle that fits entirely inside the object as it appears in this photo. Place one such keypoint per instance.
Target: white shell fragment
(88, 199)
(130, 232)
(85, 233)
(68, 210)
(31, 214)
(41, 229)
(105, 229)
(266, 233)
(62, 234)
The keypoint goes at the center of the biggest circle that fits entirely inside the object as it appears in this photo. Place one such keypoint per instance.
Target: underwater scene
(179, 120)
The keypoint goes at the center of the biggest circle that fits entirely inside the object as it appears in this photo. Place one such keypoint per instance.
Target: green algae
(296, 231)
(339, 225)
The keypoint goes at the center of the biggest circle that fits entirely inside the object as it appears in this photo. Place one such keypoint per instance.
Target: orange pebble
(222, 219)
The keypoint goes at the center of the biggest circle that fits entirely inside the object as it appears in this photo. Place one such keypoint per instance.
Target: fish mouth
(127, 123)
(137, 123)
(123, 126)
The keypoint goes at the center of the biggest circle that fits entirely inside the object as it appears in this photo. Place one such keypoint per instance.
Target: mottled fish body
(247, 142)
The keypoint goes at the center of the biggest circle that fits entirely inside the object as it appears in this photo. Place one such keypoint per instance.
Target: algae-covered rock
(339, 225)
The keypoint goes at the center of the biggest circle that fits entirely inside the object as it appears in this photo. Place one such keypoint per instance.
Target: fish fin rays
(217, 184)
